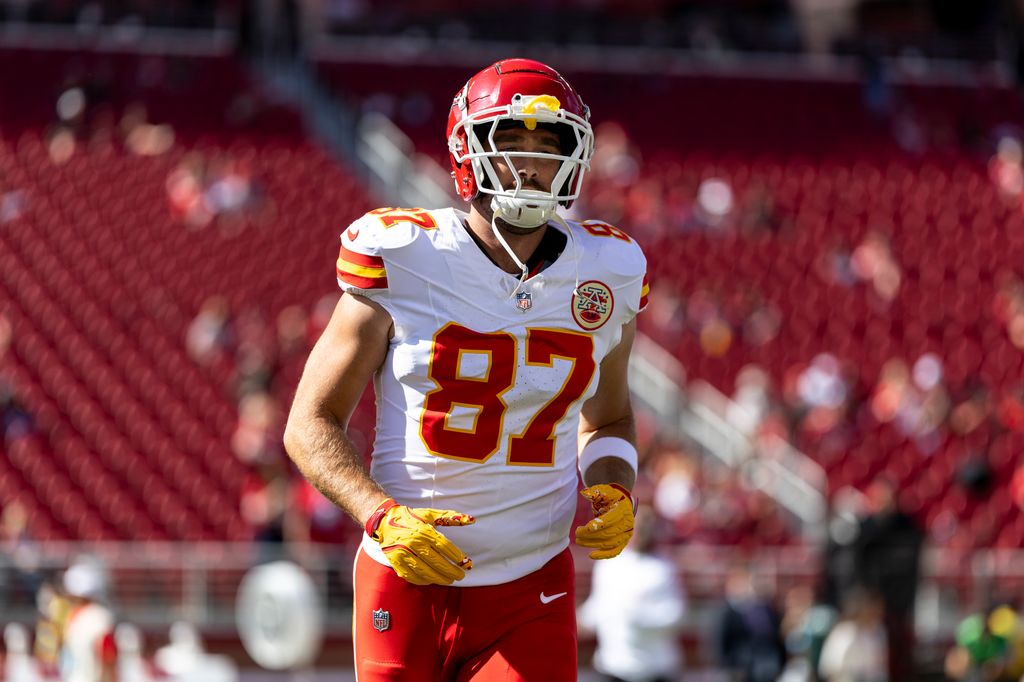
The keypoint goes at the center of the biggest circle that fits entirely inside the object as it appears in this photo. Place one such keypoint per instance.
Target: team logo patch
(592, 305)
(381, 620)
(524, 300)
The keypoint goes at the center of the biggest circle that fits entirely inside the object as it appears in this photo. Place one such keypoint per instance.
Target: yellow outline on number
(498, 395)
(553, 436)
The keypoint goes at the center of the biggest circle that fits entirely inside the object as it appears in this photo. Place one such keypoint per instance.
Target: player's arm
(342, 362)
(609, 413)
(607, 438)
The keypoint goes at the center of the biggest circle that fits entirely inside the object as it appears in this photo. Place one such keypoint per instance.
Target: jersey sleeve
(360, 267)
(622, 259)
(645, 290)
(630, 266)
(636, 285)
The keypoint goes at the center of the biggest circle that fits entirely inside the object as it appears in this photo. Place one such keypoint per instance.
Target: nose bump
(528, 170)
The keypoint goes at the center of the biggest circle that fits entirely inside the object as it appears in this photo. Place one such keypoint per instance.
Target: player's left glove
(612, 527)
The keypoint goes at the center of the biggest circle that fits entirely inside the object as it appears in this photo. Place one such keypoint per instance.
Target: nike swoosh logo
(545, 599)
(352, 234)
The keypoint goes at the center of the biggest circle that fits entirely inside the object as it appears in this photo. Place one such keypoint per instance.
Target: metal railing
(153, 585)
(699, 414)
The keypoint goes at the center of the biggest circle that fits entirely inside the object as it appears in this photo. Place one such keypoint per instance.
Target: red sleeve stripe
(362, 259)
(645, 291)
(362, 282)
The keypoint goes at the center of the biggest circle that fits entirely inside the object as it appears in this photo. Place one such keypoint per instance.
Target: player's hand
(612, 527)
(417, 551)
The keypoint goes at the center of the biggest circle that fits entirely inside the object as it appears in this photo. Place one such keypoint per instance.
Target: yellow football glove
(415, 550)
(612, 527)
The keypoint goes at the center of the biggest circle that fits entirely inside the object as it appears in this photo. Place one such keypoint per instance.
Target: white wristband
(609, 446)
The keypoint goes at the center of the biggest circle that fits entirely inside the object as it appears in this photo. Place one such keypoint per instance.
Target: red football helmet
(529, 92)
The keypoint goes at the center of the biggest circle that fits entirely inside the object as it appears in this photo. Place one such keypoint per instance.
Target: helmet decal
(547, 102)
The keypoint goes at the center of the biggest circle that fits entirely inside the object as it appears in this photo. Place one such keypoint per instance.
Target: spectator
(805, 624)
(52, 613)
(1006, 170)
(185, 658)
(1008, 307)
(616, 159)
(636, 608)
(320, 316)
(873, 262)
(988, 648)
(759, 214)
(841, 563)
(856, 649)
(888, 551)
(311, 517)
(209, 335)
(291, 332)
(257, 435)
(15, 420)
(16, 542)
(676, 492)
(88, 650)
(264, 499)
(748, 640)
(712, 211)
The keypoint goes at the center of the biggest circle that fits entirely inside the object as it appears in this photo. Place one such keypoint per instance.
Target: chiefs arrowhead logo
(353, 234)
(592, 305)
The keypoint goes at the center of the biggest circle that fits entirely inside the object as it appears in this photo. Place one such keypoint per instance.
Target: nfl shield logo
(524, 300)
(381, 620)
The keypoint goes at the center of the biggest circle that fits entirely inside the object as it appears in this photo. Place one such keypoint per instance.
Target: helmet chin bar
(526, 209)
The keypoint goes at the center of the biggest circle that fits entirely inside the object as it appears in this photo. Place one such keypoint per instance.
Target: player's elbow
(295, 432)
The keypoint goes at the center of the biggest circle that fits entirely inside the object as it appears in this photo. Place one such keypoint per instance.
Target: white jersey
(637, 608)
(479, 396)
(82, 652)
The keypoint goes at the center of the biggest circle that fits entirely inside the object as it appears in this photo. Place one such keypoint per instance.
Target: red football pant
(454, 634)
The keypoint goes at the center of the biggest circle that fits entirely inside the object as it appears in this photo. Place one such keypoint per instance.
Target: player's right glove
(417, 551)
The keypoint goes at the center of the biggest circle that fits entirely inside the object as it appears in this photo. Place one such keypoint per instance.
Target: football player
(498, 341)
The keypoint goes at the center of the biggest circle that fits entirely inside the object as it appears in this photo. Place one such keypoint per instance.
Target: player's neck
(523, 245)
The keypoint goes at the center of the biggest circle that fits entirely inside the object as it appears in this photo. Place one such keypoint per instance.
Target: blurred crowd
(264, 359)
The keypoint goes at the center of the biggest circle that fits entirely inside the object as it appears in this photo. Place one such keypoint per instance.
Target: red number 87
(535, 446)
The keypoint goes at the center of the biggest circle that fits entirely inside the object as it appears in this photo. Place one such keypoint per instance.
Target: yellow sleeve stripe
(361, 270)
(646, 290)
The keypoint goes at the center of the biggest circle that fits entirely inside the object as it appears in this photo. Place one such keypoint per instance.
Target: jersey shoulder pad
(620, 256)
(613, 247)
(366, 243)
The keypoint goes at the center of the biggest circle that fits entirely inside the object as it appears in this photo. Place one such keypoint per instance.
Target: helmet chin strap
(499, 213)
(575, 255)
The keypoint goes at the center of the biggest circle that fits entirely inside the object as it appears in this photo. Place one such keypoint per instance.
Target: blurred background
(828, 378)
